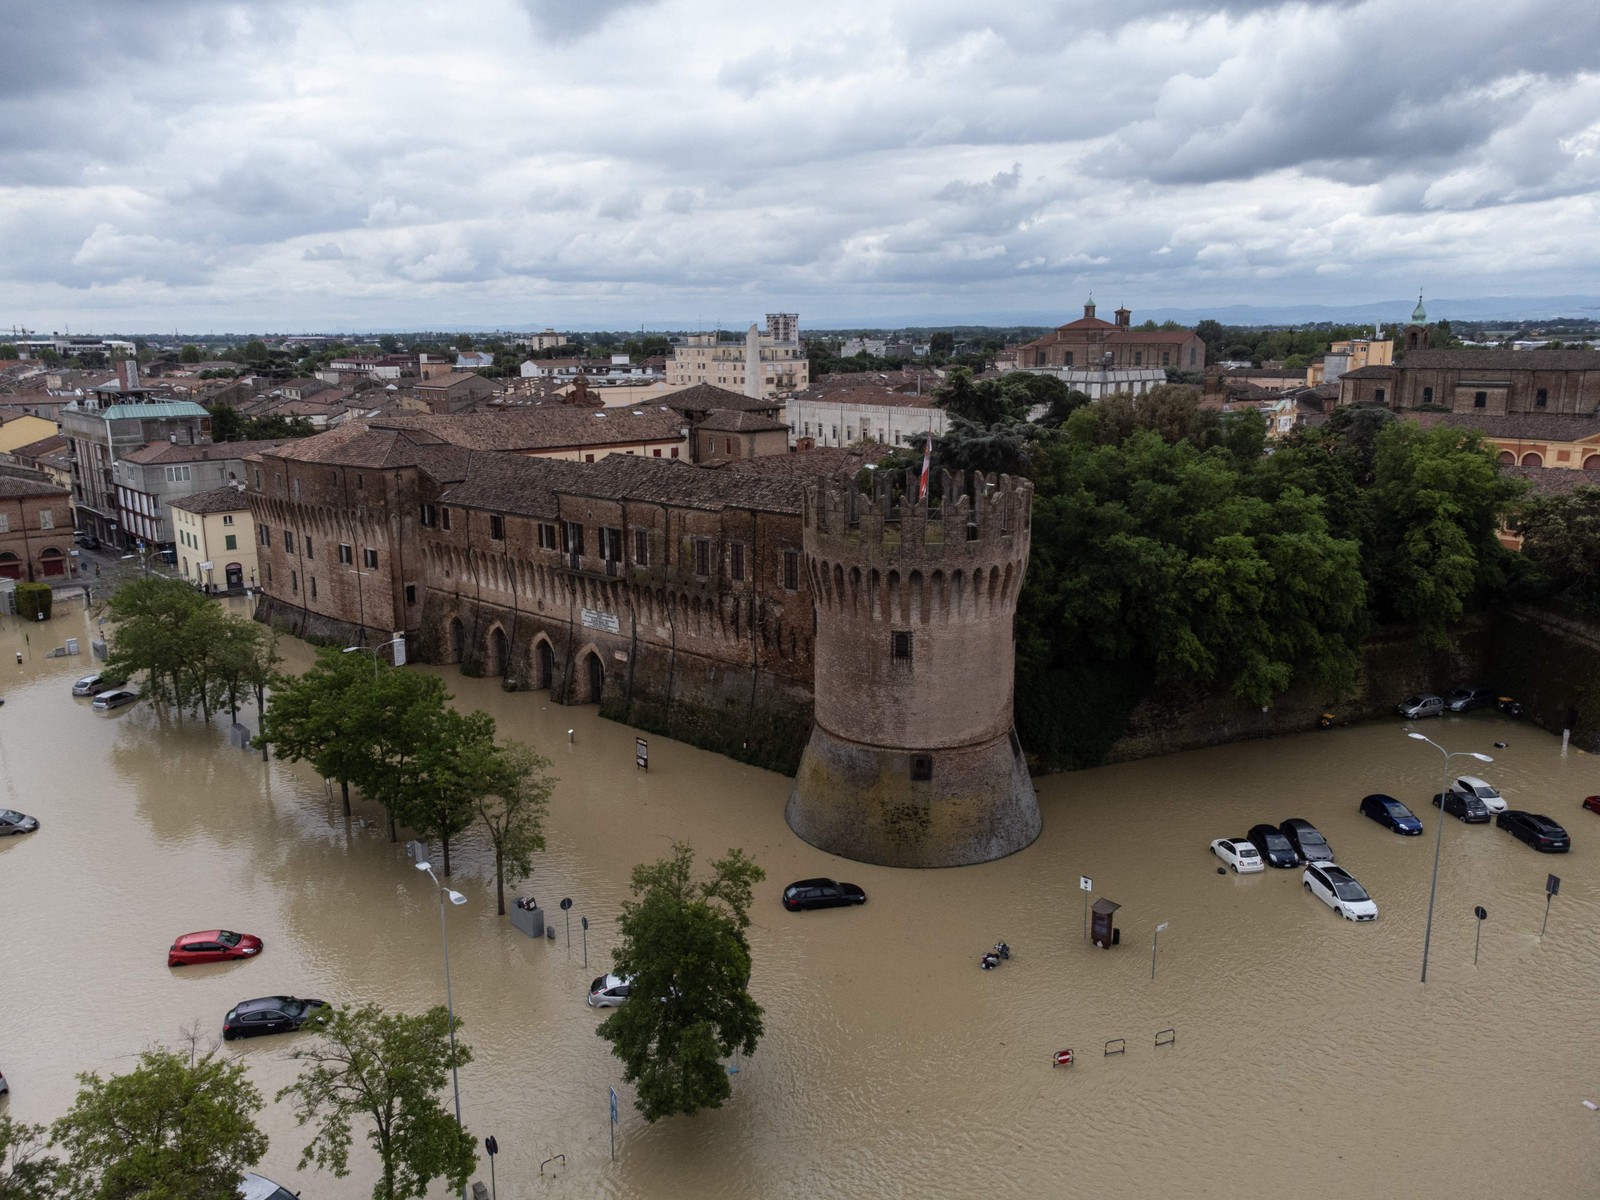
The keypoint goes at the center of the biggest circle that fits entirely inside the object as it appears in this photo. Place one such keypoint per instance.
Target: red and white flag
(927, 461)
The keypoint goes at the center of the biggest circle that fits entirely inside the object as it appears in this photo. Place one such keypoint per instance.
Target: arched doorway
(1506, 459)
(1592, 463)
(546, 665)
(10, 566)
(1531, 459)
(594, 672)
(52, 562)
(234, 573)
(498, 651)
(457, 639)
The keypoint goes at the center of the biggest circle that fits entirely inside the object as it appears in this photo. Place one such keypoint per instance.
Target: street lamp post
(450, 1008)
(1438, 836)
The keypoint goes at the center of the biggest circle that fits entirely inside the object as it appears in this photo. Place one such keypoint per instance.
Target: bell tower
(1417, 334)
(913, 760)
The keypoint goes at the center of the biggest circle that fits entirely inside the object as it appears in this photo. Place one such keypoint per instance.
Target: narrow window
(736, 562)
(702, 557)
(230, 541)
(641, 545)
(313, 580)
(370, 557)
(307, 540)
(1427, 395)
(1379, 395)
(572, 533)
(791, 570)
(427, 516)
(900, 645)
(265, 536)
(921, 768)
(267, 567)
(444, 517)
(1541, 398)
(547, 536)
(497, 526)
(294, 581)
(1480, 399)
(228, 520)
(411, 593)
(344, 553)
(288, 541)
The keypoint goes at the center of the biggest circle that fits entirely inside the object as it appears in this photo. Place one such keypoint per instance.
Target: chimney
(122, 374)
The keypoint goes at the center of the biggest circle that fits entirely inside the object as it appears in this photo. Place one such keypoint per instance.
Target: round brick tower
(913, 761)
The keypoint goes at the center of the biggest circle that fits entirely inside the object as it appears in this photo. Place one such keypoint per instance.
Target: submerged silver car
(1423, 704)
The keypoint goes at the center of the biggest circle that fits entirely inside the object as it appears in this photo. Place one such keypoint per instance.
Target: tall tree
(684, 946)
(1561, 542)
(326, 716)
(386, 1069)
(175, 1127)
(512, 812)
(151, 616)
(27, 1172)
(452, 762)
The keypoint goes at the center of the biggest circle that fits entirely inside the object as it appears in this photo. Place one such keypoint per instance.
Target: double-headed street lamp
(396, 644)
(1438, 837)
(444, 940)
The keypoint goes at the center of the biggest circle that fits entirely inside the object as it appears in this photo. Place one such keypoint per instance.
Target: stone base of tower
(861, 802)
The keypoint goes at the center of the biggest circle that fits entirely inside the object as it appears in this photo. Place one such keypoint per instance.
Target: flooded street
(891, 1066)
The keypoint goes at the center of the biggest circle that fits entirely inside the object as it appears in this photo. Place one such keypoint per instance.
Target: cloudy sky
(334, 164)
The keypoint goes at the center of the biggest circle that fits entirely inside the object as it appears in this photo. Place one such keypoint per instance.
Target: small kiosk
(1101, 931)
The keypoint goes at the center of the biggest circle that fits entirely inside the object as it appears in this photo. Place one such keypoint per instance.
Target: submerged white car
(1338, 889)
(1471, 785)
(1238, 854)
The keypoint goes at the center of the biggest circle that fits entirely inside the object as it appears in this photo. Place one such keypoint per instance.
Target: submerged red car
(212, 945)
(1592, 803)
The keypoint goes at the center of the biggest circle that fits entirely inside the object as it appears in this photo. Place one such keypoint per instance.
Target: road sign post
(613, 1124)
(566, 913)
(1086, 885)
(584, 921)
(641, 754)
(1154, 942)
(1482, 914)
(1552, 889)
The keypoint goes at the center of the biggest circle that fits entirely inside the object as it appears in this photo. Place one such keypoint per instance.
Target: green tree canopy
(684, 946)
(512, 810)
(27, 1172)
(172, 1127)
(327, 716)
(190, 353)
(388, 1071)
(1561, 542)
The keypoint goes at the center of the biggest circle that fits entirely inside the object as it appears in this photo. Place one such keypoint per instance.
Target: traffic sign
(1161, 926)
(1481, 913)
(641, 753)
(1552, 886)
(613, 1106)
(1085, 883)
(566, 902)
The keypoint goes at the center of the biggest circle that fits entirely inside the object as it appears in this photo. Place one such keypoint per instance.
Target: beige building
(23, 430)
(1350, 356)
(215, 539)
(760, 365)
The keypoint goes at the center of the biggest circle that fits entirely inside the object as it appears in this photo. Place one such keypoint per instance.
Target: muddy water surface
(1306, 1048)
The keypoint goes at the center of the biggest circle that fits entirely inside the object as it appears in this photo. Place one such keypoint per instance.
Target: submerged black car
(1276, 850)
(821, 893)
(1390, 813)
(1307, 840)
(1538, 831)
(1470, 809)
(269, 1014)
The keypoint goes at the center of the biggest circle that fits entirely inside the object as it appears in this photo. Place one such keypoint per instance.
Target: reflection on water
(892, 1066)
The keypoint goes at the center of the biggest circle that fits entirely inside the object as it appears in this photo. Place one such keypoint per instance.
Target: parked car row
(1462, 700)
(104, 687)
(1297, 842)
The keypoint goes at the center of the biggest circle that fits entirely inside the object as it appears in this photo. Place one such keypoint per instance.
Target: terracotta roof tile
(169, 452)
(1504, 360)
(222, 499)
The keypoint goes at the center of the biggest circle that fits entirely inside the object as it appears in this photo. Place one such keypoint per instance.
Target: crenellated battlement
(963, 518)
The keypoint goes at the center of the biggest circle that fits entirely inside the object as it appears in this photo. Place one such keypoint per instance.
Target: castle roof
(217, 500)
(727, 421)
(1503, 360)
(1522, 427)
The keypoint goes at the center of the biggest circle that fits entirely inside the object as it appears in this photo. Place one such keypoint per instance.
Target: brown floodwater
(1307, 1053)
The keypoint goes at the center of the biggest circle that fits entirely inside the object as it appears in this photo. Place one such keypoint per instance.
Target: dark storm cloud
(569, 20)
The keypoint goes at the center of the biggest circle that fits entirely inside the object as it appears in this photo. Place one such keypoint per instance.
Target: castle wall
(722, 659)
